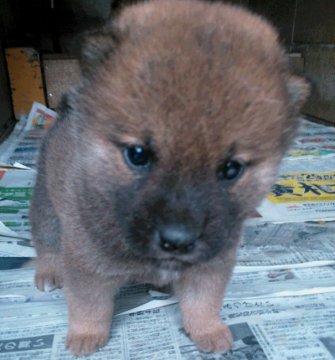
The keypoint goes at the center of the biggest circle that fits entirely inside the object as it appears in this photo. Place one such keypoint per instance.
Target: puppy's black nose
(176, 238)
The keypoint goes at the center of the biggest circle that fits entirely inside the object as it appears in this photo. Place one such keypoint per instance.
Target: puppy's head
(188, 108)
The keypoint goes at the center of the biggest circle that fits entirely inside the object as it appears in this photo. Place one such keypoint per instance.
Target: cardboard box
(25, 78)
(60, 73)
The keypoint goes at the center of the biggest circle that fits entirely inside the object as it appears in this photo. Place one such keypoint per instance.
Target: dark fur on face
(167, 145)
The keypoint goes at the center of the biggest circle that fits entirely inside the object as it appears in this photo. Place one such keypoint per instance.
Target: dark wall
(308, 27)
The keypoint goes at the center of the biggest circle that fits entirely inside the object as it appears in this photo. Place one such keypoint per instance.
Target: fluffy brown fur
(198, 84)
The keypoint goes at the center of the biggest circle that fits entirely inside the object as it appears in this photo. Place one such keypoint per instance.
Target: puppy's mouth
(160, 258)
(171, 264)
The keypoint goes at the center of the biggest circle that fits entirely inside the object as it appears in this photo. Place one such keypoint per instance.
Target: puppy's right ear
(98, 46)
(298, 91)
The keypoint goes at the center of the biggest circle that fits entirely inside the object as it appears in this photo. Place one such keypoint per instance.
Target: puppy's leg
(200, 294)
(46, 230)
(90, 304)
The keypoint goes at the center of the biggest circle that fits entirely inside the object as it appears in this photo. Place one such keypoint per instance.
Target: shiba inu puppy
(170, 140)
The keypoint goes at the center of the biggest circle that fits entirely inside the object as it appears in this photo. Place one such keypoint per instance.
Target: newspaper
(9, 144)
(26, 149)
(312, 142)
(15, 193)
(263, 327)
(272, 246)
(22, 147)
(13, 247)
(20, 152)
(305, 191)
(299, 327)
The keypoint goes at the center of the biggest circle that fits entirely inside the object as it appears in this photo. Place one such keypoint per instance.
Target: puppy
(169, 142)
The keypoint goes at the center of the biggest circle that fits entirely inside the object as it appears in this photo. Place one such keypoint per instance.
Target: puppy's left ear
(298, 90)
(98, 46)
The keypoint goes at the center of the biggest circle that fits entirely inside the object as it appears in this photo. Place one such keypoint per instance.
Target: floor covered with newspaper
(279, 305)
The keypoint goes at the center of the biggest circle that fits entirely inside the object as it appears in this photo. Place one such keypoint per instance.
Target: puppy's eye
(138, 156)
(230, 171)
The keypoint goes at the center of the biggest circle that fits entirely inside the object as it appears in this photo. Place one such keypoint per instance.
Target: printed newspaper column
(15, 193)
(301, 196)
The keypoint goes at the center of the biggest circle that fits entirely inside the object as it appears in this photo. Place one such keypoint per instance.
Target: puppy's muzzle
(176, 238)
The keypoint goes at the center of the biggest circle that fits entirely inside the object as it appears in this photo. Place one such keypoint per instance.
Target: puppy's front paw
(48, 273)
(84, 344)
(47, 281)
(217, 339)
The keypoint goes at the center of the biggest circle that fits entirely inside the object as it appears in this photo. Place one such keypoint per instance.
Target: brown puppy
(169, 142)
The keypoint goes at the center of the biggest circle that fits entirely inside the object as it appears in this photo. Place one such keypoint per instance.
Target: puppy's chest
(155, 273)
(167, 276)
(161, 276)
